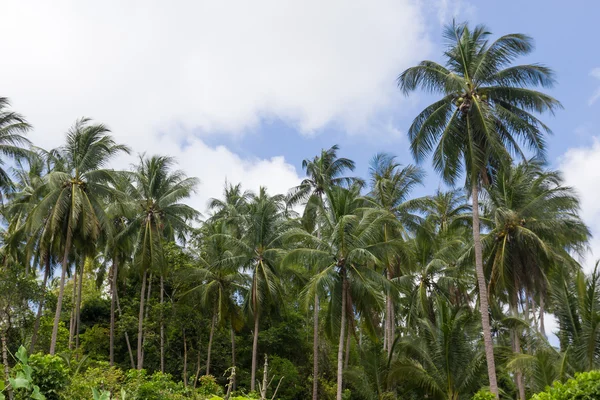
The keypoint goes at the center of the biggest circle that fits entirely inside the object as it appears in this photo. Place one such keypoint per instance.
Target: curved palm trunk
(40, 309)
(483, 295)
(389, 319)
(126, 334)
(254, 352)
(340, 355)
(140, 359)
(61, 295)
(210, 340)
(315, 394)
(542, 311)
(184, 359)
(516, 340)
(72, 319)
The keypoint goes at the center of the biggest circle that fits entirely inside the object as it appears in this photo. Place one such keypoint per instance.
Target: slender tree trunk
(147, 311)
(38, 316)
(198, 365)
(140, 359)
(254, 352)
(265, 380)
(78, 308)
(184, 359)
(542, 311)
(483, 295)
(340, 355)
(315, 394)
(162, 325)
(126, 334)
(516, 341)
(389, 308)
(5, 362)
(72, 319)
(61, 295)
(113, 293)
(233, 356)
(347, 351)
(210, 341)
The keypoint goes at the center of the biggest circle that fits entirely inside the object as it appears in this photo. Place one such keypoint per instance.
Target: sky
(244, 91)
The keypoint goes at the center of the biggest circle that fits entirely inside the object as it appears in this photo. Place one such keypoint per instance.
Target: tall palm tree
(13, 127)
(257, 251)
(344, 254)
(535, 227)
(322, 172)
(157, 192)
(73, 206)
(391, 184)
(486, 112)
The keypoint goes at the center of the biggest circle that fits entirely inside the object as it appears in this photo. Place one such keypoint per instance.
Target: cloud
(581, 169)
(208, 66)
(596, 74)
(449, 9)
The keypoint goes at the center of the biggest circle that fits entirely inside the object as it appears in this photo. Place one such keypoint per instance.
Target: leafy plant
(23, 379)
(584, 386)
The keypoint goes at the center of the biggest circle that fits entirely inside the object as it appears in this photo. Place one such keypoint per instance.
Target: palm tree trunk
(315, 394)
(5, 362)
(113, 289)
(184, 360)
(542, 311)
(198, 364)
(61, 295)
(389, 320)
(78, 307)
(254, 352)
(140, 359)
(483, 295)
(146, 314)
(516, 341)
(126, 334)
(347, 351)
(38, 316)
(210, 340)
(162, 325)
(72, 319)
(340, 355)
(233, 357)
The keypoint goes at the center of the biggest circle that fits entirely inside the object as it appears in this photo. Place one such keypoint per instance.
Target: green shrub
(584, 386)
(50, 373)
(102, 377)
(484, 394)
(291, 387)
(209, 386)
(158, 386)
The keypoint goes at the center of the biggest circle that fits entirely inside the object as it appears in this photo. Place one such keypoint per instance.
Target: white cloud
(596, 74)
(449, 9)
(581, 169)
(209, 66)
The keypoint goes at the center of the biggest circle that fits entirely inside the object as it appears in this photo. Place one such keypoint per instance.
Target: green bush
(484, 394)
(101, 377)
(209, 386)
(50, 373)
(584, 386)
(158, 386)
(291, 387)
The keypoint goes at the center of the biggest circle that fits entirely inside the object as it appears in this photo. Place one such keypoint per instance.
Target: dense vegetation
(342, 288)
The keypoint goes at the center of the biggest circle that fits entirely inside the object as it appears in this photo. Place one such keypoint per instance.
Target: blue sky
(244, 91)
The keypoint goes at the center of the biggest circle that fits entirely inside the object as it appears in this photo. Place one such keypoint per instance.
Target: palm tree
(12, 128)
(73, 206)
(344, 254)
(486, 111)
(218, 282)
(534, 227)
(157, 193)
(322, 172)
(442, 362)
(390, 187)
(257, 251)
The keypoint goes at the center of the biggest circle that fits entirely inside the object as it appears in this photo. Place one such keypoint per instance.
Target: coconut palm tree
(157, 192)
(73, 206)
(13, 127)
(535, 227)
(390, 187)
(322, 172)
(257, 251)
(484, 116)
(443, 361)
(350, 244)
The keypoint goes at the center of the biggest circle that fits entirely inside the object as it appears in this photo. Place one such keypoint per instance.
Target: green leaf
(21, 354)
(19, 382)
(2, 397)
(37, 395)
